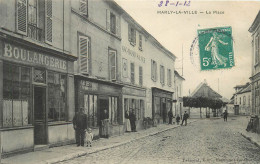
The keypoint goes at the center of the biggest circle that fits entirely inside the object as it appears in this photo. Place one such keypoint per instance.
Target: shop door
(103, 128)
(40, 127)
(164, 112)
(236, 109)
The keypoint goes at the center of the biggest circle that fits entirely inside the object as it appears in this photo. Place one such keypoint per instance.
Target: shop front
(134, 102)
(162, 104)
(34, 86)
(96, 96)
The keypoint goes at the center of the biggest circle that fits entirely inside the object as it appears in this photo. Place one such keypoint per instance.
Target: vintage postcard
(129, 81)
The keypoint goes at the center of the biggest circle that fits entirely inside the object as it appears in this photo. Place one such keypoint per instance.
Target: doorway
(103, 127)
(164, 112)
(40, 124)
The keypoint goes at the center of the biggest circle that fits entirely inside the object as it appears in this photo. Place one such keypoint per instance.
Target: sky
(176, 32)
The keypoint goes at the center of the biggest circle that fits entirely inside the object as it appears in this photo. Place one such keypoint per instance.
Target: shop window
(16, 96)
(140, 75)
(132, 66)
(83, 8)
(162, 75)
(112, 64)
(140, 42)
(153, 70)
(112, 22)
(90, 106)
(56, 97)
(113, 110)
(131, 35)
(84, 56)
(169, 77)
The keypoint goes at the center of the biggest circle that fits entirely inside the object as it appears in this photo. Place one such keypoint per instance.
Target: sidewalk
(67, 152)
(253, 137)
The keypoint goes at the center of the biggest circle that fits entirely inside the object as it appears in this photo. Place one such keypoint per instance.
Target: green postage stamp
(216, 48)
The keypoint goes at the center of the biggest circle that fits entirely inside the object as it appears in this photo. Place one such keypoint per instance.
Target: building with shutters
(96, 41)
(255, 78)
(147, 73)
(242, 99)
(36, 75)
(178, 96)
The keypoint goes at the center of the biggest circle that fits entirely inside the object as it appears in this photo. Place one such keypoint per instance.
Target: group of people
(130, 119)
(184, 118)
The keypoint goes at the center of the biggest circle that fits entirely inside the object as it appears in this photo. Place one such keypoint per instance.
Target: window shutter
(155, 70)
(112, 61)
(132, 73)
(129, 32)
(140, 75)
(152, 72)
(48, 21)
(83, 8)
(108, 20)
(140, 42)
(84, 54)
(117, 26)
(134, 37)
(21, 24)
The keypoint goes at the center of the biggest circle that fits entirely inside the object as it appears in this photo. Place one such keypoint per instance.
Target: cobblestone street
(204, 141)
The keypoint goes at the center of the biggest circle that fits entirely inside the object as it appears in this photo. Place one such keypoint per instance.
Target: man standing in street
(225, 115)
(80, 125)
(185, 117)
(170, 115)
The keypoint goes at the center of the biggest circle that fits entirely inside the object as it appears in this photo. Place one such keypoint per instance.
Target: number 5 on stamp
(216, 48)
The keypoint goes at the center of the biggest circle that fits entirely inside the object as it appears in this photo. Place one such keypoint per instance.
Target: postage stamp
(216, 48)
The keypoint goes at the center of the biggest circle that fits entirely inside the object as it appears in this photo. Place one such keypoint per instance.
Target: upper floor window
(112, 23)
(140, 75)
(83, 8)
(162, 75)
(34, 19)
(240, 101)
(257, 48)
(248, 100)
(153, 70)
(169, 77)
(132, 73)
(84, 56)
(112, 64)
(131, 35)
(140, 42)
(244, 100)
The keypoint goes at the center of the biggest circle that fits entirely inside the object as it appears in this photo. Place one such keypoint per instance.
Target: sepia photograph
(129, 81)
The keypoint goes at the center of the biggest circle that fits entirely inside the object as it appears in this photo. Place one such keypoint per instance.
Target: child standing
(89, 137)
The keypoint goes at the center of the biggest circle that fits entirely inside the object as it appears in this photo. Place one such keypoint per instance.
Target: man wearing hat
(80, 125)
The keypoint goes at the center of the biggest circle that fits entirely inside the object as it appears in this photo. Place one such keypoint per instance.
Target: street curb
(250, 139)
(82, 153)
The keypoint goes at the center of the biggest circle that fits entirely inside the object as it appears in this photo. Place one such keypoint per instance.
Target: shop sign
(88, 86)
(134, 92)
(21, 54)
(132, 53)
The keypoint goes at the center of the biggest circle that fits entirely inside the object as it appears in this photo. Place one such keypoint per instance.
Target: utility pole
(182, 62)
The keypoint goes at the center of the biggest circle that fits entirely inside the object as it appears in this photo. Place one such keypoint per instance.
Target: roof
(255, 24)
(177, 74)
(204, 90)
(246, 88)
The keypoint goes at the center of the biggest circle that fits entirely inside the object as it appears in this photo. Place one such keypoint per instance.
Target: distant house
(178, 95)
(242, 99)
